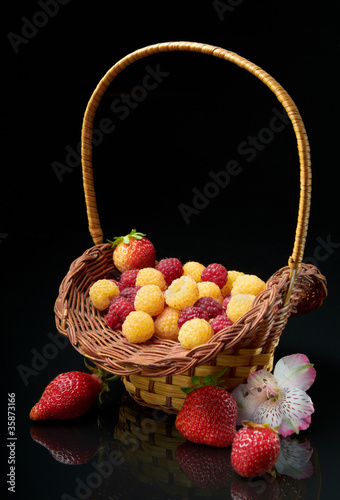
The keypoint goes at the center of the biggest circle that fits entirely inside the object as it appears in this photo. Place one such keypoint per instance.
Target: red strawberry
(255, 450)
(70, 444)
(133, 251)
(68, 396)
(208, 415)
(206, 467)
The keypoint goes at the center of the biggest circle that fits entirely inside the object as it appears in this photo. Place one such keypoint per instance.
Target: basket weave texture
(154, 372)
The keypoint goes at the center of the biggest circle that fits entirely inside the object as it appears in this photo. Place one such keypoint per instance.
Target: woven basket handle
(302, 141)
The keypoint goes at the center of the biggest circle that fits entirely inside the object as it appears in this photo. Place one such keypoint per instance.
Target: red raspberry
(119, 309)
(226, 301)
(120, 285)
(129, 293)
(171, 269)
(215, 273)
(128, 278)
(210, 306)
(112, 320)
(191, 312)
(220, 322)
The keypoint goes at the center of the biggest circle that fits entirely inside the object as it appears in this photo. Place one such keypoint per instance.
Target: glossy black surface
(203, 115)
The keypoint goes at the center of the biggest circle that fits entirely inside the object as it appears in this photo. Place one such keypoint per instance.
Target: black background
(191, 124)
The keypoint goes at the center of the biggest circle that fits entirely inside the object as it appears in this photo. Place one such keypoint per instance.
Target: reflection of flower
(278, 399)
(294, 459)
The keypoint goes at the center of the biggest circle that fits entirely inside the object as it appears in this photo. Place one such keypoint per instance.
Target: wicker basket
(154, 372)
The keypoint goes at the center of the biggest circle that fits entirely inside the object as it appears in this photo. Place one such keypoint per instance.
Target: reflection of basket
(149, 442)
(154, 372)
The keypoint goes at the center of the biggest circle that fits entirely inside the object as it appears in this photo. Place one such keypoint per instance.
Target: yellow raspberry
(183, 292)
(193, 269)
(149, 299)
(150, 276)
(248, 283)
(194, 332)
(239, 305)
(232, 275)
(101, 293)
(210, 289)
(138, 327)
(166, 324)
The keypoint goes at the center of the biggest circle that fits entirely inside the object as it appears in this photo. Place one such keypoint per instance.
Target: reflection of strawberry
(68, 443)
(133, 251)
(68, 396)
(206, 467)
(262, 487)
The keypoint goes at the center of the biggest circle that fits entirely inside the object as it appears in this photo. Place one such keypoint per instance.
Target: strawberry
(206, 467)
(133, 251)
(255, 450)
(208, 415)
(68, 443)
(68, 396)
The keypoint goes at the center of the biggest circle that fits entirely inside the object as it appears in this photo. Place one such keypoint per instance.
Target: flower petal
(294, 371)
(263, 380)
(294, 459)
(270, 412)
(289, 426)
(297, 407)
(247, 402)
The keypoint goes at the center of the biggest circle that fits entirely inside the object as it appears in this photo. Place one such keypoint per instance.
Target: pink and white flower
(278, 399)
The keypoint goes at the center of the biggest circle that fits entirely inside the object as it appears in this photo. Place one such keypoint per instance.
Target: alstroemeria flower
(278, 399)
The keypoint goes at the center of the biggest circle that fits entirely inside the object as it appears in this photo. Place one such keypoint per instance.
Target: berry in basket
(128, 278)
(183, 292)
(149, 299)
(171, 269)
(150, 276)
(216, 273)
(195, 332)
(210, 306)
(210, 289)
(166, 324)
(239, 304)
(191, 313)
(119, 310)
(247, 283)
(133, 251)
(138, 327)
(101, 293)
(171, 295)
(193, 269)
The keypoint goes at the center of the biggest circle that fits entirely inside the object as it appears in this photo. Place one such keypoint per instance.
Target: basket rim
(85, 327)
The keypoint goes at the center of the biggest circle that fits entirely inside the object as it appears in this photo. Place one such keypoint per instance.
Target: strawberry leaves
(126, 239)
(207, 380)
